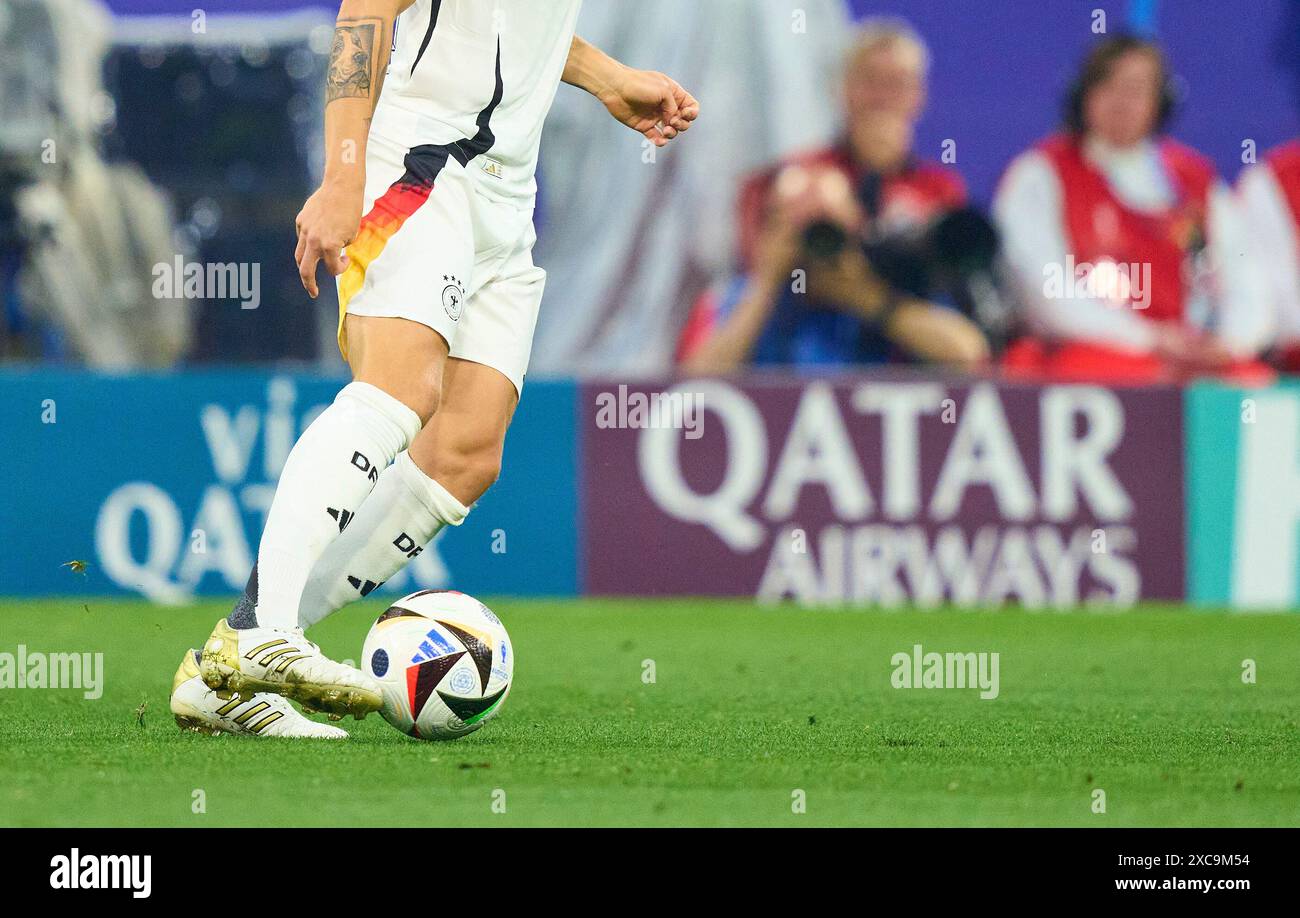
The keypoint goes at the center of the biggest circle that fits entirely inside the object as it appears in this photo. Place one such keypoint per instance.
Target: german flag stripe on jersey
(406, 196)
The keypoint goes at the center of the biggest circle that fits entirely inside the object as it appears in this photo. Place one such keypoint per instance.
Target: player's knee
(466, 473)
(422, 394)
(425, 401)
(480, 472)
(402, 358)
(491, 471)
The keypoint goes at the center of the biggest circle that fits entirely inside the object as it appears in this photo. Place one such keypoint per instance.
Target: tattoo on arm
(352, 60)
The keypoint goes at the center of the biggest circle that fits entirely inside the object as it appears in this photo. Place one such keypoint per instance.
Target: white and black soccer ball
(445, 663)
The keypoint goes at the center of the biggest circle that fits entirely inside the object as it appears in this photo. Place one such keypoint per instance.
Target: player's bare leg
(461, 449)
(398, 367)
(400, 357)
(452, 463)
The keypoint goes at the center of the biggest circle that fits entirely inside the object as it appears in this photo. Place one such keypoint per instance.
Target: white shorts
(435, 249)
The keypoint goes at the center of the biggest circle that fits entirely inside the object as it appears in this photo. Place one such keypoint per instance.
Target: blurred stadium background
(149, 425)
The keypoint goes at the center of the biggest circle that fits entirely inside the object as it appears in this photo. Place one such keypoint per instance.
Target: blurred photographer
(840, 257)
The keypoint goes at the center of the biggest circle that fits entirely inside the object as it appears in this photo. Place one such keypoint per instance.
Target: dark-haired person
(1270, 200)
(1128, 246)
(787, 307)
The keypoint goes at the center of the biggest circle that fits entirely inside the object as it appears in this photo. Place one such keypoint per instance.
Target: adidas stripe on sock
(329, 473)
(403, 514)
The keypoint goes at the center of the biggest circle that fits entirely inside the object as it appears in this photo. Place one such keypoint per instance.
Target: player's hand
(326, 225)
(651, 104)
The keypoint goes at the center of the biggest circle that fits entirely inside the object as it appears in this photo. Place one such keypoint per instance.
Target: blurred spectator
(1129, 248)
(79, 237)
(808, 293)
(1270, 197)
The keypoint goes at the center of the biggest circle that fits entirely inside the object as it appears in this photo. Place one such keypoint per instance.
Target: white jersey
(479, 75)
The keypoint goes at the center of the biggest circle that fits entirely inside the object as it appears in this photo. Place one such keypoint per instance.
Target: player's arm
(363, 37)
(648, 102)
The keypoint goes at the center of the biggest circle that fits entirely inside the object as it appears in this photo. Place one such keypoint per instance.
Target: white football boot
(198, 709)
(285, 663)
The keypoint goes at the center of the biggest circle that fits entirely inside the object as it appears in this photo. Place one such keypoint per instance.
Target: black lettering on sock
(365, 465)
(405, 544)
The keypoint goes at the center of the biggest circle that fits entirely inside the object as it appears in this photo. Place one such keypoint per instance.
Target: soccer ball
(444, 661)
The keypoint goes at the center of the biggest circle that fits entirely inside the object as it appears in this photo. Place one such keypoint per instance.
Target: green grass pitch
(747, 707)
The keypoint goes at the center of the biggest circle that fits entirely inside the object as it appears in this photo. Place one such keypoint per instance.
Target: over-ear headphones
(1097, 67)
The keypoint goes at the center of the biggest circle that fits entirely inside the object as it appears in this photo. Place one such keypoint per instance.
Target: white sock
(403, 514)
(328, 474)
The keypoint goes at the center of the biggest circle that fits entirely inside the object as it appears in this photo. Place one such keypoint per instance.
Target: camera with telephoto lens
(953, 259)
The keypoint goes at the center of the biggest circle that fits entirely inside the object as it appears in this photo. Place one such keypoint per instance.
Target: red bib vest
(1100, 227)
(1285, 165)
